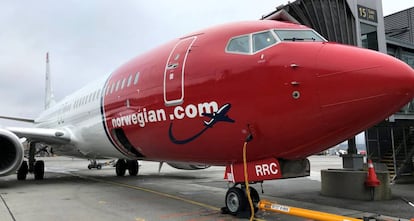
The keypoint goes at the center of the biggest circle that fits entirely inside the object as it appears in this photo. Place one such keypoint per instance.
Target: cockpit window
(298, 35)
(239, 44)
(251, 43)
(262, 40)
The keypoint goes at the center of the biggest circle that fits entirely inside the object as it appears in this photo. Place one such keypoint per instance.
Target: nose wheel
(236, 200)
(237, 203)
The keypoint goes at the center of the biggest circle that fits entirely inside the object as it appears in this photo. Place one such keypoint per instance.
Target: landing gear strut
(122, 165)
(237, 203)
(37, 167)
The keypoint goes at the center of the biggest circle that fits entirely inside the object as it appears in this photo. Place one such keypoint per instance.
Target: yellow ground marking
(154, 192)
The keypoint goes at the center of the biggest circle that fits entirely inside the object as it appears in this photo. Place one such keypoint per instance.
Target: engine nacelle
(186, 166)
(11, 152)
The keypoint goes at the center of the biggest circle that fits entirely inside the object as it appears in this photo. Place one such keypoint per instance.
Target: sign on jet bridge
(368, 14)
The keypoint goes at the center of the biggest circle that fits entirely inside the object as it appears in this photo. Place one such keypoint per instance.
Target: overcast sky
(88, 39)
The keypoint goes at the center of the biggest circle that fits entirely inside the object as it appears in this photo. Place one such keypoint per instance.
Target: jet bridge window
(298, 35)
(263, 40)
(239, 44)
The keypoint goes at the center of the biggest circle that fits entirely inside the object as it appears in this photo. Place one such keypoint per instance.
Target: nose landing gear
(237, 203)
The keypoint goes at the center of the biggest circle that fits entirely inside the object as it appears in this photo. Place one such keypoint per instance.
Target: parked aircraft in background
(195, 100)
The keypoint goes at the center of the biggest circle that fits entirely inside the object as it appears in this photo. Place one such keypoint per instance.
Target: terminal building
(362, 23)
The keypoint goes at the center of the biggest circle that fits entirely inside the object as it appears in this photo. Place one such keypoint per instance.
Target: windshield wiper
(299, 39)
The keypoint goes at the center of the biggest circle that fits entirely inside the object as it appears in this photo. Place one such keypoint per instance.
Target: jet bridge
(361, 23)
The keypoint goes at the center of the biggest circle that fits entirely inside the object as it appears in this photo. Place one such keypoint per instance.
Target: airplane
(218, 116)
(274, 91)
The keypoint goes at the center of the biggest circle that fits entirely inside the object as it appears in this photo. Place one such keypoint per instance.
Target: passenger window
(123, 84)
(97, 93)
(129, 80)
(239, 44)
(136, 78)
(107, 90)
(262, 40)
(112, 87)
(94, 95)
(117, 85)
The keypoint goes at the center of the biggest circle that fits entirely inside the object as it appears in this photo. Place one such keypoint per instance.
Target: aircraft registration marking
(266, 169)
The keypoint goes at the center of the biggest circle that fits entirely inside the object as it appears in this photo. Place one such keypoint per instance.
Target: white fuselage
(79, 115)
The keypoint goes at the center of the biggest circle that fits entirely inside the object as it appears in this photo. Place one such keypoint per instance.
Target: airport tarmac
(72, 192)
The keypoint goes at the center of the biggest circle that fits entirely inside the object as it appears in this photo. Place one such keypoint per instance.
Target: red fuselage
(195, 99)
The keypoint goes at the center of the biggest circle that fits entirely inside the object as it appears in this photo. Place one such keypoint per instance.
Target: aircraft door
(174, 72)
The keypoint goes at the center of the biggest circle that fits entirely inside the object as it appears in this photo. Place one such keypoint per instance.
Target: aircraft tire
(98, 167)
(120, 167)
(23, 171)
(236, 201)
(39, 170)
(133, 167)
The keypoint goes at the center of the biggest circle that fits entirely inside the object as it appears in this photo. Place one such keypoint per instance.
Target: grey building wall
(400, 26)
(399, 29)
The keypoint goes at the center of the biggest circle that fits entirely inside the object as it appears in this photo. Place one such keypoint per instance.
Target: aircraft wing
(50, 136)
(18, 119)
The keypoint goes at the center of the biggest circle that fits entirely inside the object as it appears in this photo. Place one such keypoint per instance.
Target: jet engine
(186, 166)
(11, 152)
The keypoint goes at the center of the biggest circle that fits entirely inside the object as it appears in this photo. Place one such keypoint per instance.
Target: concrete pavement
(72, 192)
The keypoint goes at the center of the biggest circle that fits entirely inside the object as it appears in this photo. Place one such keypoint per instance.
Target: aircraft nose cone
(360, 86)
(349, 74)
(400, 76)
(393, 78)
